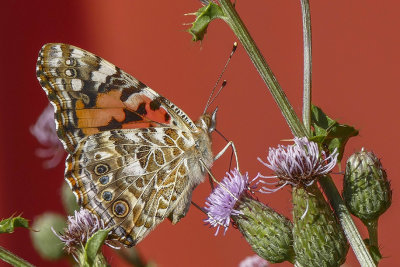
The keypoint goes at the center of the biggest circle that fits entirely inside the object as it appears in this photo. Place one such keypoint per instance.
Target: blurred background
(356, 63)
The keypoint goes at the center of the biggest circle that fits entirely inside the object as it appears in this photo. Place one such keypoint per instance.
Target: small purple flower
(45, 132)
(80, 228)
(253, 261)
(298, 164)
(220, 205)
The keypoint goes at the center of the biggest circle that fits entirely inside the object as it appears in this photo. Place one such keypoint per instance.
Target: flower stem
(233, 20)
(349, 228)
(305, 11)
(372, 227)
(12, 259)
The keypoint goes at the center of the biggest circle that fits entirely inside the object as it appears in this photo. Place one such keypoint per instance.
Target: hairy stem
(305, 10)
(12, 259)
(233, 20)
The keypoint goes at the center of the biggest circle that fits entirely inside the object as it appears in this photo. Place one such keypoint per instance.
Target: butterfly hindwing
(132, 178)
(91, 95)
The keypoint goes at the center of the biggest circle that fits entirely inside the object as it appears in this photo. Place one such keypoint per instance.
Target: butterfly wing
(91, 95)
(132, 179)
(132, 157)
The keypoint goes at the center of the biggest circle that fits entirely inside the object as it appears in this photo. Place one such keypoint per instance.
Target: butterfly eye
(70, 72)
(107, 195)
(101, 168)
(70, 62)
(104, 179)
(120, 208)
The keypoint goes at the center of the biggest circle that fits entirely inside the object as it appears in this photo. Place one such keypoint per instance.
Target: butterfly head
(208, 121)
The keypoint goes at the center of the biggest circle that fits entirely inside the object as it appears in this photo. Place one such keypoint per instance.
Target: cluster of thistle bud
(314, 237)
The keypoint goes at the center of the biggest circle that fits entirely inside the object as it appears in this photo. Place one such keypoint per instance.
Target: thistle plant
(321, 144)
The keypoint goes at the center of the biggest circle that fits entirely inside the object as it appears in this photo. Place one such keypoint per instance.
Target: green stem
(12, 259)
(233, 20)
(305, 11)
(236, 24)
(372, 227)
(349, 228)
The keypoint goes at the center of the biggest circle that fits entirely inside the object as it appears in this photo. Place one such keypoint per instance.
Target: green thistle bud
(268, 232)
(366, 189)
(45, 242)
(318, 238)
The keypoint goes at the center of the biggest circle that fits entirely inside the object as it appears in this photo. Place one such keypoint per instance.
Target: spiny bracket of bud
(318, 238)
(299, 164)
(204, 16)
(268, 232)
(366, 189)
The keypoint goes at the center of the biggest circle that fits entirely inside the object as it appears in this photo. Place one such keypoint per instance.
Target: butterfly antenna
(220, 76)
(219, 91)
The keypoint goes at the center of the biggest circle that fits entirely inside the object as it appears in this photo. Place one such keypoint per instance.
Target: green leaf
(203, 17)
(330, 133)
(93, 246)
(8, 225)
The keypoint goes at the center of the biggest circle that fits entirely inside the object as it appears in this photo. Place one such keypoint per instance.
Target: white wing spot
(76, 84)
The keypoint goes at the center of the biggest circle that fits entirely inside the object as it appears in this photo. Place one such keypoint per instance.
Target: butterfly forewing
(134, 157)
(91, 95)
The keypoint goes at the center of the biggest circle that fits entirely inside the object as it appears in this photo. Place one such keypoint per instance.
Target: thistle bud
(366, 189)
(318, 238)
(268, 232)
(45, 242)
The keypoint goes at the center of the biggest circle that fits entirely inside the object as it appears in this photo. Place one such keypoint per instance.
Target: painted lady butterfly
(134, 157)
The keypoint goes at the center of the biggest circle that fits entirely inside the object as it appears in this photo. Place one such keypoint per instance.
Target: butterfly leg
(230, 144)
(215, 180)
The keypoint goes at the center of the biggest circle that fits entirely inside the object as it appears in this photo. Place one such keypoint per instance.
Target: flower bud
(268, 232)
(318, 238)
(45, 242)
(68, 199)
(366, 189)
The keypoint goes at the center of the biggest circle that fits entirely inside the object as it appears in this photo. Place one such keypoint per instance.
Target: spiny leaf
(203, 17)
(8, 225)
(330, 133)
(93, 246)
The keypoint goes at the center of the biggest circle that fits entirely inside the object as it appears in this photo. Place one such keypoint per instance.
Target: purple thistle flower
(45, 132)
(253, 261)
(80, 228)
(298, 164)
(220, 205)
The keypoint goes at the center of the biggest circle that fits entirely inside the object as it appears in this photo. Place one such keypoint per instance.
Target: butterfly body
(134, 157)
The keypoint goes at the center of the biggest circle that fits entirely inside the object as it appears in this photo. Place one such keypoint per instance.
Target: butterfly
(134, 158)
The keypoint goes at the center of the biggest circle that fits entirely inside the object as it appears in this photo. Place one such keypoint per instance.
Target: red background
(355, 80)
